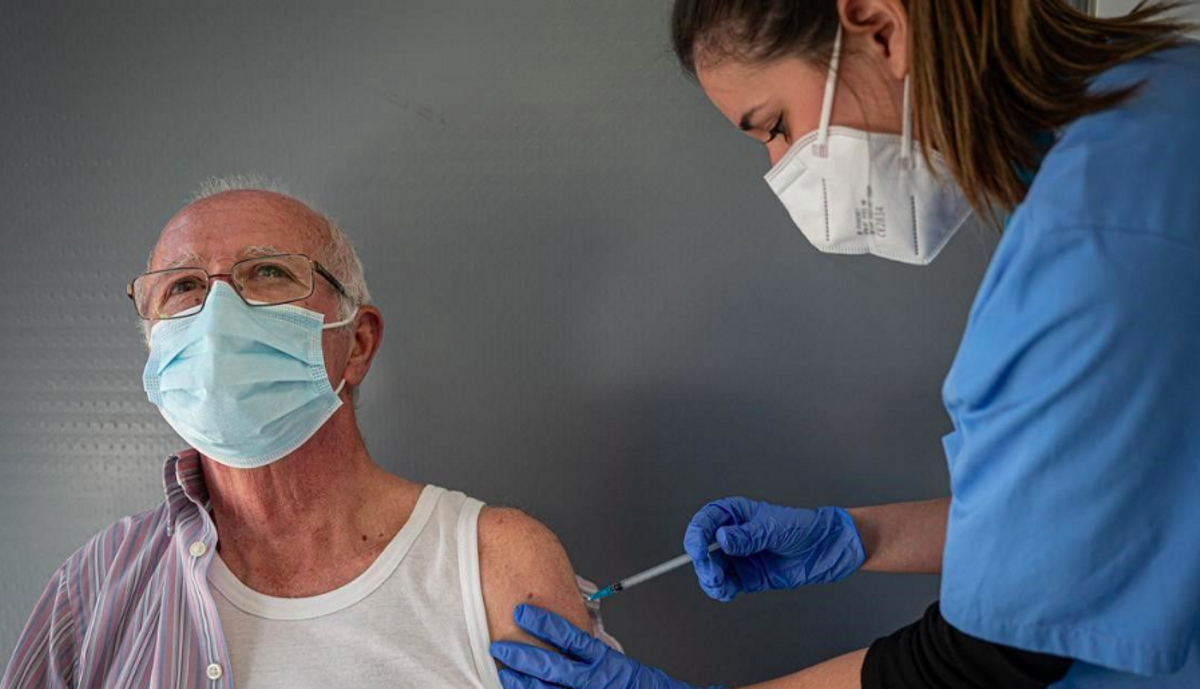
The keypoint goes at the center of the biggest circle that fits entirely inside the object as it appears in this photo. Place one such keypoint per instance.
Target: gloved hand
(585, 663)
(766, 546)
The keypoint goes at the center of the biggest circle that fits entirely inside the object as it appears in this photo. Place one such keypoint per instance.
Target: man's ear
(884, 25)
(368, 334)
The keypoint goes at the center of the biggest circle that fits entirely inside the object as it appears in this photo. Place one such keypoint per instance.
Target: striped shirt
(132, 607)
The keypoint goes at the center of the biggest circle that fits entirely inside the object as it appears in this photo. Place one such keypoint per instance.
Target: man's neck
(311, 521)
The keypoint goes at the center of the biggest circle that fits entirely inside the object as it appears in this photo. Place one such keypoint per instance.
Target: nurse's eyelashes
(778, 129)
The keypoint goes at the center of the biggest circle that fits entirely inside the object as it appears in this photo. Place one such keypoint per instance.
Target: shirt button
(198, 549)
(213, 671)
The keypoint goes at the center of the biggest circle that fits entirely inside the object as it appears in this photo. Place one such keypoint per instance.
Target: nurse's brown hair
(987, 76)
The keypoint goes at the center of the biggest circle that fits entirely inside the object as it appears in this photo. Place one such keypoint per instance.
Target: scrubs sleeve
(1075, 461)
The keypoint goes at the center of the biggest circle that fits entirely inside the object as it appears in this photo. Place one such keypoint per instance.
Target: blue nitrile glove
(585, 662)
(766, 546)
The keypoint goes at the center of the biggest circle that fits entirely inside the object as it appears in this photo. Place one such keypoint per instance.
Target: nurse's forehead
(237, 224)
(733, 87)
(737, 88)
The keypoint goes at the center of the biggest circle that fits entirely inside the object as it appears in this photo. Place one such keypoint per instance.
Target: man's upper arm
(50, 645)
(521, 561)
(45, 653)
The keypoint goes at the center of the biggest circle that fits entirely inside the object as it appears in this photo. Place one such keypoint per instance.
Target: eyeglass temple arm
(337, 284)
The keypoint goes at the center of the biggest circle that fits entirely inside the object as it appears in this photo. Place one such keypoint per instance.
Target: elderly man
(283, 556)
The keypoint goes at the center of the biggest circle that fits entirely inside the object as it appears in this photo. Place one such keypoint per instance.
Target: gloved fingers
(751, 573)
(558, 632)
(745, 544)
(535, 662)
(515, 680)
(716, 578)
(715, 571)
(718, 513)
(742, 540)
(701, 531)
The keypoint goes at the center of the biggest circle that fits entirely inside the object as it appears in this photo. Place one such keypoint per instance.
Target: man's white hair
(219, 185)
(338, 255)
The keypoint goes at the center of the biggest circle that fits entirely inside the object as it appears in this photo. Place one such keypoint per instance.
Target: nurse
(1070, 550)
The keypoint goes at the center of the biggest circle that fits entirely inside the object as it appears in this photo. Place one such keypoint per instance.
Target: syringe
(647, 575)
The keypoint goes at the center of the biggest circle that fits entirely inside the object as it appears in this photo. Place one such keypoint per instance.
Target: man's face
(216, 232)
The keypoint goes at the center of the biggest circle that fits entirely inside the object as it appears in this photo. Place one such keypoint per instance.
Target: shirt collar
(183, 482)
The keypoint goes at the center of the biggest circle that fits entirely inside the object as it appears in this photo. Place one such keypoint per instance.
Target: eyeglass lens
(260, 281)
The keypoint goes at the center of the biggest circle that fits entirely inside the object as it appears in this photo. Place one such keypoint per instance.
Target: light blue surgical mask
(244, 385)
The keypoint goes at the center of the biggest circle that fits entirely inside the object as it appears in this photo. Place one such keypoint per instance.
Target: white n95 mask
(244, 385)
(852, 191)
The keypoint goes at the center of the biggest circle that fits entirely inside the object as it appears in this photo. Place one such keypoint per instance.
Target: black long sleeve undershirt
(930, 654)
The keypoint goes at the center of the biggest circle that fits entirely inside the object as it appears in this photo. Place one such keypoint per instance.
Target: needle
(647, 575)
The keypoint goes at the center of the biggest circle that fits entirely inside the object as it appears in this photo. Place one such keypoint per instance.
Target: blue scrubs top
(1075, 460)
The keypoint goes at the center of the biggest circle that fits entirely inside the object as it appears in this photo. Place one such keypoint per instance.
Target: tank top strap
(467, 538)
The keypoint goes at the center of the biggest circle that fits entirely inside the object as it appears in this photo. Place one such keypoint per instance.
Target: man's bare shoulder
(522, 561)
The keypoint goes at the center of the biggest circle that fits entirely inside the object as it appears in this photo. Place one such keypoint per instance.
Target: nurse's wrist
(902, 537)
(868, 534)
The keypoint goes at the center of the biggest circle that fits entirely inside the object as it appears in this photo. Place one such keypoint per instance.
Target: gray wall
(596, 309)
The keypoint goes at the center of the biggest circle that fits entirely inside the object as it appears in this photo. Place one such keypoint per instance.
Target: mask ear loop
(339, 324)
(822, 147)
(906, 137)
(344, 321)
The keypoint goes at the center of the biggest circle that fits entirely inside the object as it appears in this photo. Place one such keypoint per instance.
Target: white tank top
(415, 619)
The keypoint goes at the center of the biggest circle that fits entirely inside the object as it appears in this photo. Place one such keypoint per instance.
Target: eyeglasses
(261, 281)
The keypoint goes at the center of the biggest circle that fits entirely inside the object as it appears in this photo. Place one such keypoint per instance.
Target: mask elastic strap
(345, 321)
(331, 326)
(822, 148)
(906, 138)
